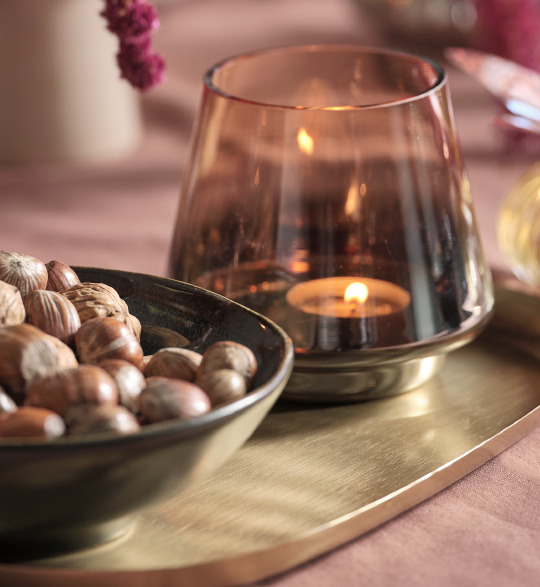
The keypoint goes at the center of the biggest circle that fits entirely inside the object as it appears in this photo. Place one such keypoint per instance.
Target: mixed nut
(71, 361)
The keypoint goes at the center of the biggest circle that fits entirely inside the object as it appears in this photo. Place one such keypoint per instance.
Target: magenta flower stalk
(133, 22)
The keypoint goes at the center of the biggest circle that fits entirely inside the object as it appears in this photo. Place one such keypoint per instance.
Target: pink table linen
(484, 529)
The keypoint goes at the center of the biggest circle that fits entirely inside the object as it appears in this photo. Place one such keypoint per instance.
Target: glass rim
(441, 76)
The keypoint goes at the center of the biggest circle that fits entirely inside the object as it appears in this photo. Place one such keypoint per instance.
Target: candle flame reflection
(305, 141)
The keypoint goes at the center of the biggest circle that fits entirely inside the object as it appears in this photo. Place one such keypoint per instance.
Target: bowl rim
(170, 428)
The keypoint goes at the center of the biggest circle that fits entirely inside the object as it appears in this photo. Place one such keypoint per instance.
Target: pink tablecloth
(484, 529)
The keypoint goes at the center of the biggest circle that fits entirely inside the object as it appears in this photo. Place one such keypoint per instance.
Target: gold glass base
(381, 380)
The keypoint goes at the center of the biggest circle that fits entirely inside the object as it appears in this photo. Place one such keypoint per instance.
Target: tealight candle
(349, 312)
(348, 297)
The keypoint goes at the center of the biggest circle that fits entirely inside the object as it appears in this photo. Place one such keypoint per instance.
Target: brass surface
(315, 476)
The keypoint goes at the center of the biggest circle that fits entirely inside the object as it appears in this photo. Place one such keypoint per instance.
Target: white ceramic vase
(61, 96)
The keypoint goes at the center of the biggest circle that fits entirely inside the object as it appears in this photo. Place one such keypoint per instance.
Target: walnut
(98, 300)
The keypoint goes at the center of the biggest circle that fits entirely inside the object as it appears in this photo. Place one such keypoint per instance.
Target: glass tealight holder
(326, 190)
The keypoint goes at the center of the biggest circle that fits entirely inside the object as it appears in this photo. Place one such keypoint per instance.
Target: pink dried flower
(139, 66)
(132, 21)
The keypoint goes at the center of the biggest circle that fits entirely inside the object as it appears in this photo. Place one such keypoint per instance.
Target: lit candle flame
(305, 141)
(356, 293)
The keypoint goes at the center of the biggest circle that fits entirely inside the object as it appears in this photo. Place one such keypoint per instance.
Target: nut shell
(99, 339)
(11, 305)
(6, 402)
(27, 353)
(60, 276)
(23, 271)
(223, 385)
(134, 324)
(105, 418)
(172, 399)
(228, 354)
(30, 422)
(53, 313)
(86, 384)
(129, 381)
(99, 300)
(146, 359)
(174, 362)
(95, 300)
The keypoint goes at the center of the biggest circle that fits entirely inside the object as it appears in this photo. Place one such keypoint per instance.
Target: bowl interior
(167, 308)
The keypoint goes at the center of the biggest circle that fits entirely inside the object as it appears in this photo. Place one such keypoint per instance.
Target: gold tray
(314, 477)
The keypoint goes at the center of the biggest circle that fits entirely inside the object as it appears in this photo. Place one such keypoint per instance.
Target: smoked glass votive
(326, 190)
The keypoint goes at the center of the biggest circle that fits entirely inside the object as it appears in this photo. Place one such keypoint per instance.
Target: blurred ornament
(511, 29)
(423, 22)
(518, 228)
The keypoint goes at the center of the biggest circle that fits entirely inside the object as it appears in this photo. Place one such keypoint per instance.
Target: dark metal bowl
(80, 491)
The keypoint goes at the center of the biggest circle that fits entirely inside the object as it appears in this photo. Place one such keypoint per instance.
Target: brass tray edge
(263, 564)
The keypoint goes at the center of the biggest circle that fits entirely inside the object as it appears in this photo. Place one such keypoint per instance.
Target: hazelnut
(23, 271)
(223, 385)
(99, 339)
(227, 354)
(29, 422)
(66, 357)
(104, 418)
(60, 276)
(53, 313)
(166, 399)
(85, 384)
(11, 305)
(174, 362)
(6, 403)
(27, 353)
(146, 359)
(129, 381)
